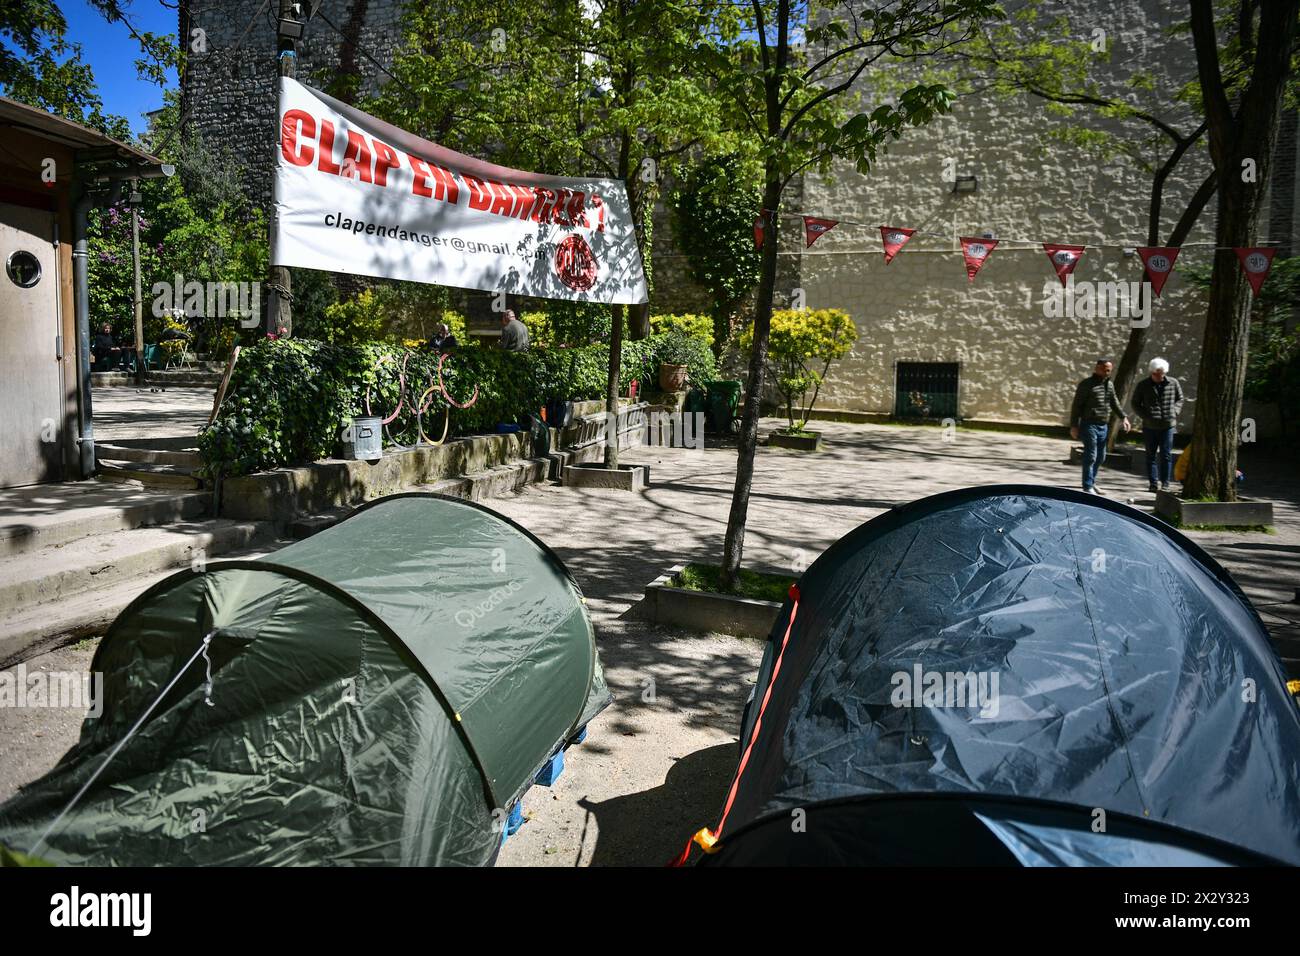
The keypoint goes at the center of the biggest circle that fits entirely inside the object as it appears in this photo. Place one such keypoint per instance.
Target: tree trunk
(1213, 468)
(1126, 373)
(734, 544)
(612, 390)
(1248, 135)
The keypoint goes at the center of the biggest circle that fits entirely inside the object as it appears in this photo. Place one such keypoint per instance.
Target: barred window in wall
(926, 389)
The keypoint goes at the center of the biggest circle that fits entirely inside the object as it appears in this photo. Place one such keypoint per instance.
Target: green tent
(380, 693)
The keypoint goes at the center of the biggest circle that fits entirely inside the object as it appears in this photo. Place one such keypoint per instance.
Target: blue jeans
(1160, 451)
(1094, 450)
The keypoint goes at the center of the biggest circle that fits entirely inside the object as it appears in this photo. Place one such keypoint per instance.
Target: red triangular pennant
(760, 222)
(1063, 258)
(1255, 262)
(976, 253)
(1159, 263)
(815, 228)
(894, 238)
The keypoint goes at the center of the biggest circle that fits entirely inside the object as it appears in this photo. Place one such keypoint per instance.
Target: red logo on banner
(976, 252)
(576, 264)
(894, 239)
(760, 221)
(815, 228)
(1064, 258)
(1159, 263)
(1255, 262)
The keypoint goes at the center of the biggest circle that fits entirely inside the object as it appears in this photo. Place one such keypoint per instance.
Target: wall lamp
(965, 184)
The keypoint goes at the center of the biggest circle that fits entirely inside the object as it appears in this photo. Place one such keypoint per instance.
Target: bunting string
(1157, 261)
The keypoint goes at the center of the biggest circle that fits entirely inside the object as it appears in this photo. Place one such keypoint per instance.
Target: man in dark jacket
(443, 340)
(1094, 400)
(1158, 400)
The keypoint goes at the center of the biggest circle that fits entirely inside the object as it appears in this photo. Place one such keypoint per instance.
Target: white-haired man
(1158, 399)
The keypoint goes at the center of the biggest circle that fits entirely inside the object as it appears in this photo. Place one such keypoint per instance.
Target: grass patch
(752, 584)
(797, 432)
(1252, 528)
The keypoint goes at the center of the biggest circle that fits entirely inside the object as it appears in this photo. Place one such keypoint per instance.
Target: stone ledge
(704, 611)
(1245, 513)
(595, 475)
(284, 494)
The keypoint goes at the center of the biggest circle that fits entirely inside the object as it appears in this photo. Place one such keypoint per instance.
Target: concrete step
(183, 458)
(174, 477)
(118, 508)
(51, 575)
(88, 613)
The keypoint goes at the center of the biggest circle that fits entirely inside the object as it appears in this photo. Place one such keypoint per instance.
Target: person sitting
(443, 340)
(102, 347)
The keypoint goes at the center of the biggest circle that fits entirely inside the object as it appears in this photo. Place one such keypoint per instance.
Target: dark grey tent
(1019, 675)
(381, 692)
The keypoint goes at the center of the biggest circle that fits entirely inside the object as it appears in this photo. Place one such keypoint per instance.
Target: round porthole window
(24, 269)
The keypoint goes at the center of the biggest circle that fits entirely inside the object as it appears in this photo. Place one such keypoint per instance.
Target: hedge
(290, 399)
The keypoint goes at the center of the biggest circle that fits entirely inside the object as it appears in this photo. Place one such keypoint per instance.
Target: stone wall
(229, 92)
(1017, 364)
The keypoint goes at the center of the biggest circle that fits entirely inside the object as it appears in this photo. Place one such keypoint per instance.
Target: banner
(1159, 263)
(976, 253)
(1255, 262)
(894, 238)
(356, 195)
(814, 228)
(1063, 258)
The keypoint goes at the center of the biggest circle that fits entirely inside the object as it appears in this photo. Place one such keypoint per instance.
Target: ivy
(289, 400)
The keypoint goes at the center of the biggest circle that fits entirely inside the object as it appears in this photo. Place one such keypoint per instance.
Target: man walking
(1094, 400)
(514, 334)
(1158, 400)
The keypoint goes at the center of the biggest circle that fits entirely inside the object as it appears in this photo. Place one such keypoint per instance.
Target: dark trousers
(1160, 454)
(1094, 449)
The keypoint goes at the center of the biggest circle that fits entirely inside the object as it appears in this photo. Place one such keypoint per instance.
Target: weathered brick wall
(230, 91)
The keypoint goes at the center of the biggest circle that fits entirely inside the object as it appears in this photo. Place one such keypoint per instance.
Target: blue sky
(111, 53)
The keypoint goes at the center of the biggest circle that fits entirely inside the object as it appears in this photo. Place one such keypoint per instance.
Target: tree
(796, 103)
(595, 88)
(803, 345)
(1055, 62)
(714, 224)
(1242, 139)
(39, 67)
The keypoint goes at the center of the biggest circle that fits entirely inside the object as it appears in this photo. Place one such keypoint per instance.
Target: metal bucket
(365, 440)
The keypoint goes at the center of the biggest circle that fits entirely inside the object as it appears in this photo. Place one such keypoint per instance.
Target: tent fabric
(1132, 676)
(381, 692)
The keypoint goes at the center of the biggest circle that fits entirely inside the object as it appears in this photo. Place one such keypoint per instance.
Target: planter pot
(1230, 514)
(596, 475)
(672, 378)
(809, 441)
(665, 603)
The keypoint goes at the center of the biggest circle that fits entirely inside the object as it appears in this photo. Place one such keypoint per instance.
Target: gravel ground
(656, 764)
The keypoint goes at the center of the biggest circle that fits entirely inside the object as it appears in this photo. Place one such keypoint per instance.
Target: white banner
(357, 195)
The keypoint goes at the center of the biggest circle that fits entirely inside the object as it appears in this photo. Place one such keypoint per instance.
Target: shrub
(289, 399)
(697, 326)
(801, 348)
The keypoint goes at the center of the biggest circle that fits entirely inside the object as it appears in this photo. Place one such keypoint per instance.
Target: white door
(31, 400)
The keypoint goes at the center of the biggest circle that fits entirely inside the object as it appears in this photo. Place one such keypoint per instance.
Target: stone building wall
(229, 92)
(1017, 364)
